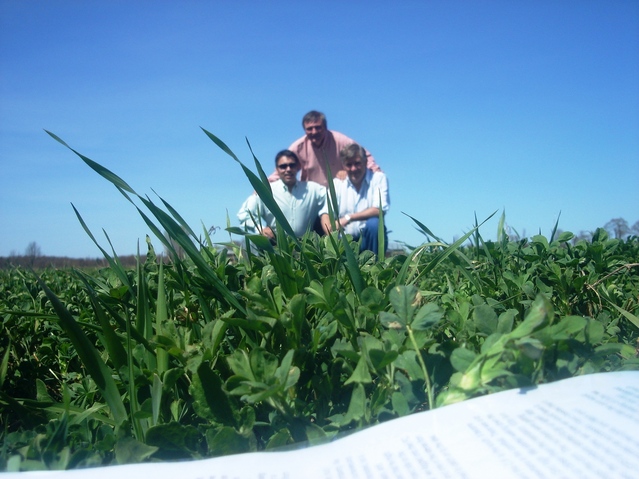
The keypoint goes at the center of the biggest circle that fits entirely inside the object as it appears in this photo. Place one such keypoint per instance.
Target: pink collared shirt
(314, 159)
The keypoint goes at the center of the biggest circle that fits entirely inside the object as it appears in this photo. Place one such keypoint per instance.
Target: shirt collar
(365, 180)
(285, 188)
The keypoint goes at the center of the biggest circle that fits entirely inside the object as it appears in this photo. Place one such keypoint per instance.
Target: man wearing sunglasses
(302, 202)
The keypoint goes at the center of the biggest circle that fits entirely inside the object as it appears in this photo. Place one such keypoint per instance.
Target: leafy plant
(246, 346)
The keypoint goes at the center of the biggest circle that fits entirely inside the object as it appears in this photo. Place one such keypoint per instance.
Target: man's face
(355, 169)
(287, 169)
(315, 131)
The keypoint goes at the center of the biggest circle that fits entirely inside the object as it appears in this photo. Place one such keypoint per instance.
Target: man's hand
(326, 224)
(268, 232)
(341, 175)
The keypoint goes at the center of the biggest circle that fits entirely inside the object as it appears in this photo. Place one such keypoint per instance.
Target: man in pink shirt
(320, 146)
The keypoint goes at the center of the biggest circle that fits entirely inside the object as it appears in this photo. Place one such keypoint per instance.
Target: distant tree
(617, 227)
(635, 229)
(32, 252)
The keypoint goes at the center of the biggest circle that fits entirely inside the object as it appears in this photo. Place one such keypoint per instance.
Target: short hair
(352, 151)
(287, 154)
(314, 116)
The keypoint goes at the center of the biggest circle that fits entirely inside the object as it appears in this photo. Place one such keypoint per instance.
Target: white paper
(583, 427)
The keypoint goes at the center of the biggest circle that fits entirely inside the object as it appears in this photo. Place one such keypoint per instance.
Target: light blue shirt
(301, 206)
(373, 192)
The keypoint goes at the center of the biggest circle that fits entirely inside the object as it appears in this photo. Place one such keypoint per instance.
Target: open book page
(583, 427)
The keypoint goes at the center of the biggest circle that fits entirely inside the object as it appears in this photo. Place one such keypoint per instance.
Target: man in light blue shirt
(360, 197)
(302, 202)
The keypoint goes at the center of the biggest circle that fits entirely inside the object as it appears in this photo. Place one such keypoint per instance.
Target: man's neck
(290, 188)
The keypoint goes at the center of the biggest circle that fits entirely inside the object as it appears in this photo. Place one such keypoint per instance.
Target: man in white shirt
(302, 202)
(360, 197)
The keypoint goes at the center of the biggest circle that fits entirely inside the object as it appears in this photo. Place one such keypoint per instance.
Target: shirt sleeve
(343, 140)
(322, 200)
(380, 191)
(249, 211)
(371, 162)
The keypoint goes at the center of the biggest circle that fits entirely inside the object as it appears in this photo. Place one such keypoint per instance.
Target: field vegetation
(296, 343)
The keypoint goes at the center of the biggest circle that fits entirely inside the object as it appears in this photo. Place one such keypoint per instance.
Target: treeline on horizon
(60, 262)
(33, 257)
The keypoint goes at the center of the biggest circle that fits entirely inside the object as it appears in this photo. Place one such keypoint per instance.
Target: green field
(234, 349)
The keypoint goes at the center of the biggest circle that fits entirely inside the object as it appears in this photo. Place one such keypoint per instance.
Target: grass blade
(99, 371)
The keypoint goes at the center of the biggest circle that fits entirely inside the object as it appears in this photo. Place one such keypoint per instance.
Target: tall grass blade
(177, 216)
(156, 399)
(424, 229)
(114, 262)
(352, 268)
(554, 229)
(381, 239)
(102, 171)
(161, 317)
(263, 189)
(90, 357)
(5, 364)
(177, 233)
(501, 230)
(113, 344)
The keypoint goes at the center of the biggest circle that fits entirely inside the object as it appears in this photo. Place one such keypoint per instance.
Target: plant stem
(429, 388)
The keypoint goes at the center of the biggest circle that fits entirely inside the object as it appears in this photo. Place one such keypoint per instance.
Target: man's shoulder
(311, 186)
(298, 144)
(340, 185)
(376, 175)
(341, 138)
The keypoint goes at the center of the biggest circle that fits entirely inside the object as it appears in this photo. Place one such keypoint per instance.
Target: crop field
(247, 346)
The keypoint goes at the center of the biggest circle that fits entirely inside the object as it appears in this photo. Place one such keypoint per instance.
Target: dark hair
(288, 154)
(314, 116)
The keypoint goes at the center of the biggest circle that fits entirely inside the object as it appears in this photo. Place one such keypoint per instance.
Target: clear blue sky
(531, 107)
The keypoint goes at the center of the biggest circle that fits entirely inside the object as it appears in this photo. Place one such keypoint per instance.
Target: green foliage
(235, 349)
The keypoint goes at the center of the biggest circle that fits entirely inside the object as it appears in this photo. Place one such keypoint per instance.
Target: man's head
(287, 164)
(354, 160)
(314, 123)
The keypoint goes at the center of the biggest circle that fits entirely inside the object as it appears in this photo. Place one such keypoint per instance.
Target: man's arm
(359, 216)
(251, 215)
(370, 162)
(326, 224)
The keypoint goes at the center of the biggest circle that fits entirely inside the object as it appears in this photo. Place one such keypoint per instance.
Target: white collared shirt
(301, 206)
(373, 192)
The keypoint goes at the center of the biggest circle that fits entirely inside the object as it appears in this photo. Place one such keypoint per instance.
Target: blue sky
(527, 107)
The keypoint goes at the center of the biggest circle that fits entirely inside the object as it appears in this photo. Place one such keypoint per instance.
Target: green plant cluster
(251, 347)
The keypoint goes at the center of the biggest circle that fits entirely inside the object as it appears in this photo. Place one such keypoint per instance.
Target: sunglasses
(285, 166)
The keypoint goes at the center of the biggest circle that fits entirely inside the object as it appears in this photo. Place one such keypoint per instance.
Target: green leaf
(428, 316)
(462, 358)
(173, 440)
(226, 440)
(90, 357)
(485, 319)
(130, 451)
(381, 359)
(402, 298)
(629, 316)
(357, 405)
(210, 399)
(533, 348)
(361, 374)
(5, 364)
(539, 313)
(391, 321)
